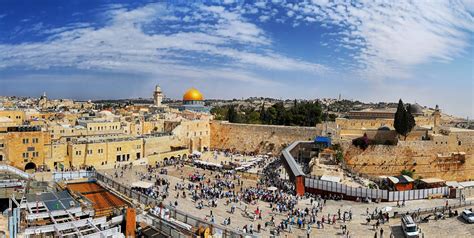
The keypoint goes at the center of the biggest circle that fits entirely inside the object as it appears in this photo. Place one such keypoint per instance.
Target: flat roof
(53, 201)
(331, 178)
(432, 180)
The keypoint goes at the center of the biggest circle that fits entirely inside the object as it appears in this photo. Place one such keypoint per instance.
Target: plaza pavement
(451, 227)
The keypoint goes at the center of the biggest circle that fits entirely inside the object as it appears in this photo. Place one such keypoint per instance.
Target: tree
(403, 121)
(410, 119)
(232, 115)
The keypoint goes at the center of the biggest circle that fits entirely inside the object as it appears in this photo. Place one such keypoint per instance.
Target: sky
(419, 51)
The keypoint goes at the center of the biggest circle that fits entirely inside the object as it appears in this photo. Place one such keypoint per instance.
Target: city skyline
(420, 52)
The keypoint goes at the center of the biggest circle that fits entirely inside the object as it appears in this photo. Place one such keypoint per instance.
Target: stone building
(24, 146)
(16, 116)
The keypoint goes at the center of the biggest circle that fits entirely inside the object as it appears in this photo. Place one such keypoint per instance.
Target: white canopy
(142, 184)
(331, 178)
(208, 163)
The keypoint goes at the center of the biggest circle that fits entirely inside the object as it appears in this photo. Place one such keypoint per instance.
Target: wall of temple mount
(448, 161)
(257, 138)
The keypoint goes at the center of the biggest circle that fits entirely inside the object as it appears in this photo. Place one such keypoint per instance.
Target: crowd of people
(226, 188)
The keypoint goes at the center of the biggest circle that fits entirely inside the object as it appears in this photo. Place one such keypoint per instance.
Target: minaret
(436, 117)
(157, 96)
(43, 100)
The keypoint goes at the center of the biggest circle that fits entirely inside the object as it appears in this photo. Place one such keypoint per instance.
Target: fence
(181, 216)
(127, 191)
(313, 184)
(8, 168)
(436, 209)
(69, 175)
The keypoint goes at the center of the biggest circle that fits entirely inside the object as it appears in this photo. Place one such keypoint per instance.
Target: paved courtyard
(357, 227)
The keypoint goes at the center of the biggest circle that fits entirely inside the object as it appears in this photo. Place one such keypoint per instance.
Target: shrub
(408, 173)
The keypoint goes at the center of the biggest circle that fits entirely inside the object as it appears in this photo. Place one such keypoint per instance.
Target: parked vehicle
(410, 229)
(468, 216)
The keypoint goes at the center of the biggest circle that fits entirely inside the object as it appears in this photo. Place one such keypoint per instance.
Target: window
(78, 152)
(100, 151)
(138, 155)
(1, 157)
(25, 141)
(1, 145)
(25, 155)
(35, 140)
(119, 148)
(118, 158)
(89, 152)
(459, 143)
(139, 147)
(36, 154)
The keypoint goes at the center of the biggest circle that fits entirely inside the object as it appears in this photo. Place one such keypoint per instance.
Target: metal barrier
(312, 182)
(436, 209)
(181, 216)
(69, 175)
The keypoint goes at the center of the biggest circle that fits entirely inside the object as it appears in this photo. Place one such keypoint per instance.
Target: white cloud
(137, 41)
(393, 37)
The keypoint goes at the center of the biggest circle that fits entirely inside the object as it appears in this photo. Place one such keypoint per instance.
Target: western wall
(427, 159)
(257, 138)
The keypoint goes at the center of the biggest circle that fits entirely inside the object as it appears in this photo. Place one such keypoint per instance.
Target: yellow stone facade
(18, 117)
(23, 148)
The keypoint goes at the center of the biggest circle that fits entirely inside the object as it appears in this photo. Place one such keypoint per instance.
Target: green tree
(403, 121)
(232, 115)
(253, 118)
(410, 119)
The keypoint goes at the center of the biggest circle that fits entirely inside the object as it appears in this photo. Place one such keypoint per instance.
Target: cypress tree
(400, 120)
(410, 119)
(404, 121)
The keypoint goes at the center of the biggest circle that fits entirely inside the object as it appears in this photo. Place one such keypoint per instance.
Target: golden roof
(193, 95)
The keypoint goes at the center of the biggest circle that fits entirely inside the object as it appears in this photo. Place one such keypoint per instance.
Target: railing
(436, 209)
(174, 213)
(69, 175)
(11, 169)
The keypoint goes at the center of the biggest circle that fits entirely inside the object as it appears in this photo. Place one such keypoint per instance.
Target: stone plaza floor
(451, 227)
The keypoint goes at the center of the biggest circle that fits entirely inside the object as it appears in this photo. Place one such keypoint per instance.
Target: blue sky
(420, 51)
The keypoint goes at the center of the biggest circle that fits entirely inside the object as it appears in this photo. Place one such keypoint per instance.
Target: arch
(185, 156)
(30, 165)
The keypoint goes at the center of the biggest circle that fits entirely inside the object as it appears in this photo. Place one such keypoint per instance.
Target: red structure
(299, 184)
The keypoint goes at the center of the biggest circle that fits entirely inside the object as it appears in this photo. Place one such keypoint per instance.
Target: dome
(416, 109)
(193, 95)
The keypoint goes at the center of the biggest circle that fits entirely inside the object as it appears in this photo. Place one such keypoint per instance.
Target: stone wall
(426, 158)
(257, 138)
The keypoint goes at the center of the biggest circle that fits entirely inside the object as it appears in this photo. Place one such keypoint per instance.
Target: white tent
(142, 184)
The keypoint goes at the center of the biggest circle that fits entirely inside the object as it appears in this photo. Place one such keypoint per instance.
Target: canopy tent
(142, 184)
(207, 163)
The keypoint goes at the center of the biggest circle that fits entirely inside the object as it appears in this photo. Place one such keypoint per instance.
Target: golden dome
(193, 95)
